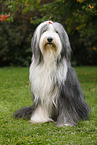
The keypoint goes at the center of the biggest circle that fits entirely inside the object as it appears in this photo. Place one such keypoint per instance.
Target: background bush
(79, 17)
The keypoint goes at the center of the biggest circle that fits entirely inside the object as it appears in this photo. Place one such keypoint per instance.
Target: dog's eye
(43, 31)
(57, 32)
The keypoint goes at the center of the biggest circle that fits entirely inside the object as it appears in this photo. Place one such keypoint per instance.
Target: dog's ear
(36, 53)
(66, 48)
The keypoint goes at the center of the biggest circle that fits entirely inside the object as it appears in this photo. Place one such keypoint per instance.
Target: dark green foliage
(14, 45)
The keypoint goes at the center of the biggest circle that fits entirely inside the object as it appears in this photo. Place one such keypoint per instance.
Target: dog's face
(50, 41)
(50, 38)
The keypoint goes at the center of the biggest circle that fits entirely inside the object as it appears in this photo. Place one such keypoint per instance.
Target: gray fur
(72, 107)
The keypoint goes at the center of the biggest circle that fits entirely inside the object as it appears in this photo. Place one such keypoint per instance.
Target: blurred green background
(79, 18)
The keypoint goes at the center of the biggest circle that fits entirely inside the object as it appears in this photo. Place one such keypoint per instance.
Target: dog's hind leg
(72, 106)
(25, 112)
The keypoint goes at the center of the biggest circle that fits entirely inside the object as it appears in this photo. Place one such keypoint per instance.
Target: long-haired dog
(56, 92)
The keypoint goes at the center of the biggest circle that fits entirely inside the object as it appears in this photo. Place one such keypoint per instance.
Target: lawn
(15, 93)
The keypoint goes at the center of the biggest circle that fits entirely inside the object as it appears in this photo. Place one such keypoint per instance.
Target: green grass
(15, 93)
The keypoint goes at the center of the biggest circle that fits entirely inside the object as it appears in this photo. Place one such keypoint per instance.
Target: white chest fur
(43, 77)
(42, 81)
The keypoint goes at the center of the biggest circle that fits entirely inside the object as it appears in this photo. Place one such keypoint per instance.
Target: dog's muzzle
(49, 42)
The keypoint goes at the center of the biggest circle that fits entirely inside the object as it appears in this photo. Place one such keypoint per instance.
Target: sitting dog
(56, 92)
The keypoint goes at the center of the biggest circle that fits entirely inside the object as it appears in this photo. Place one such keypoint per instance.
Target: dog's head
(50, 39)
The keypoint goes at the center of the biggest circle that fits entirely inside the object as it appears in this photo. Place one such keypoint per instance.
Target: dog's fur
(56, 92)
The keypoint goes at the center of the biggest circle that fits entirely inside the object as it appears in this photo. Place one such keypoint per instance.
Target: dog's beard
(49, 52)
(50, 46)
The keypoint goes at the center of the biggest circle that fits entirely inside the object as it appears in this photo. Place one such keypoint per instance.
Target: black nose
(49, 39)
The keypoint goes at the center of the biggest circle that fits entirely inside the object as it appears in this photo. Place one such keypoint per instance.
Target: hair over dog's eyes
(43, 31)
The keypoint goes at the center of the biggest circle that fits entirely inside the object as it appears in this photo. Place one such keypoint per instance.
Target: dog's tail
(25, 112)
